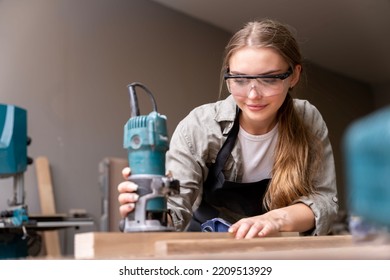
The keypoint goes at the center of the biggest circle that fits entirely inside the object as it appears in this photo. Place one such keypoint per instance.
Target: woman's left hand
(294, 218)
(257, 226)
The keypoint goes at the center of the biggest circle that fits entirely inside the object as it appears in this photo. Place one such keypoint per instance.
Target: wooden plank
(209, 245)
(367, 251)
(354, 252)
(47, 203)
(193, 246)
(107, 245)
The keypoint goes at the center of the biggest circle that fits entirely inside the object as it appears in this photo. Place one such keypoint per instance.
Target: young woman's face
(259, 99)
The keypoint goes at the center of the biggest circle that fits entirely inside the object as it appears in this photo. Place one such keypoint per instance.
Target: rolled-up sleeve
(190, 147)
(324, 202)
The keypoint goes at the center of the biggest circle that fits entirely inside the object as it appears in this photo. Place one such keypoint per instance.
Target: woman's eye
(269, 81)
(240, 81)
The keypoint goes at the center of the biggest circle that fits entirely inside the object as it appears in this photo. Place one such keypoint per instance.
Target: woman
(276, 170)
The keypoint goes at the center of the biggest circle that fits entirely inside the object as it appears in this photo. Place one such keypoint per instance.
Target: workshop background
(68, 62)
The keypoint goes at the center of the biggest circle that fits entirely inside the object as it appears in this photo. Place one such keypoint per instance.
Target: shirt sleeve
(324, 202)
(186, 159)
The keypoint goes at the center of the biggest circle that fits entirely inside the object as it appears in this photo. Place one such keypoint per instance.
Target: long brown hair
(298, 150)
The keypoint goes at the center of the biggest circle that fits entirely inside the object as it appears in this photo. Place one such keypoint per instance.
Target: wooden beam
(256, 245)
(47, 203)
(107, 245)
(210, 245)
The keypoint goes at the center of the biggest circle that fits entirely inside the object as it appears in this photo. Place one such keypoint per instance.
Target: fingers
(127, 197)
(169, 174)
(127, 203)
(127, 186)
(127, 193)
(124, 198)
(126, 172)
(253, 231)
(250, 228)
(244, 228)
(265, 231)
(125, 209)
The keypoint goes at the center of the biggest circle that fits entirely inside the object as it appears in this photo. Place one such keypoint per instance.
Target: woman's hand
(257, 226)
(127, 196)
(293, 218)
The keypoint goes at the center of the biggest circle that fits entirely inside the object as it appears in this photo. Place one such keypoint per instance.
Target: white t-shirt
(257, 154)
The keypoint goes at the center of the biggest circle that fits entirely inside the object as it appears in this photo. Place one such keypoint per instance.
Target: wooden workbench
(211, 245)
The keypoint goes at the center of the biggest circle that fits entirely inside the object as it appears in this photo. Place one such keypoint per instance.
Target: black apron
(239, 199)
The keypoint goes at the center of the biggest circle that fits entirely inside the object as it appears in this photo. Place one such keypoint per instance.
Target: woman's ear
(296, 75)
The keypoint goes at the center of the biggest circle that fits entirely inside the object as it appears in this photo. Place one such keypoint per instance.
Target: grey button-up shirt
(195, 145)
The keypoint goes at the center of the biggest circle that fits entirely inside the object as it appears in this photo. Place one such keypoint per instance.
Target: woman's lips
(256, 107)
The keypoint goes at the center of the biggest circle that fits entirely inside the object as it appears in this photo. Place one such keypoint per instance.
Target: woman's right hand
(127, 196)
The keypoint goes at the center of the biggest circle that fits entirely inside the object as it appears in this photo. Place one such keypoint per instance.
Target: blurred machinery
(18, 229)
(13, 164)
(367, 154)
(13, 149)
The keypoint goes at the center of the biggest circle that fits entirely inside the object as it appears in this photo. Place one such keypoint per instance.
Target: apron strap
(215, 178)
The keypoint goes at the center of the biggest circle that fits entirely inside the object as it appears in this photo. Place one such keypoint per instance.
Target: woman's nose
(253, 91)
